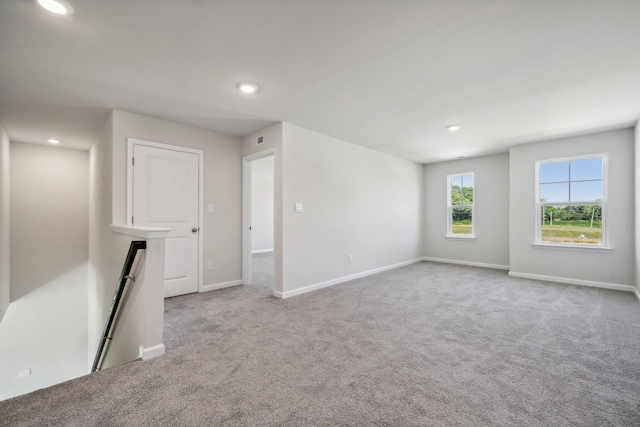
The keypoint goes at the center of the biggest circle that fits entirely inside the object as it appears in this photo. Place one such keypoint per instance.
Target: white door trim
(246, 210)
(200, 153)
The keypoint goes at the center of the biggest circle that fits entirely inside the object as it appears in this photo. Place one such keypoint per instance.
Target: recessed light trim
(247, 87)
(53, 141)
(59, 7)
(453, 128)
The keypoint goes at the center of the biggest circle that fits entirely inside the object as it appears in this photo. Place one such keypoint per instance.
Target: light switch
(210, 208)
(298, 207)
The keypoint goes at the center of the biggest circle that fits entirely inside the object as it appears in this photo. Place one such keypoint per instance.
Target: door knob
(194, 230)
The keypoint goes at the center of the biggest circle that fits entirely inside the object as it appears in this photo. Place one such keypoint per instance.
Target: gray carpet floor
(262, 269)
(427, 344)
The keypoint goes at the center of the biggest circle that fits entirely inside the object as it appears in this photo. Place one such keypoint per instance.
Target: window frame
(604, 245)
(450, 234)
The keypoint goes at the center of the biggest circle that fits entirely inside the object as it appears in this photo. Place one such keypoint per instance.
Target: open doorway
(259, 216)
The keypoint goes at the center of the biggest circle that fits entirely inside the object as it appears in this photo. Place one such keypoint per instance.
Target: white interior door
(166, 194)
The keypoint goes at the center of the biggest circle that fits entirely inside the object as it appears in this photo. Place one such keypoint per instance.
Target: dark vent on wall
(258, 140)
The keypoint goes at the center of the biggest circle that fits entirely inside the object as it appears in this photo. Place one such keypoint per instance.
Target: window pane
(586, 191)
(571, 224)
(456, 190)
(554, 192)
(586, 169)
(467, 190)
(456, 181)
(461, 220)
(467, 196)
(554, 172)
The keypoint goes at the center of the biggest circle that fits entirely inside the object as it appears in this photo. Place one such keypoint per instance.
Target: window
(571, 201)
(460, 205)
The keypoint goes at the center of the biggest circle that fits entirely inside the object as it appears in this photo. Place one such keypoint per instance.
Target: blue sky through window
(586, 169)
(554, 192)
(558, 181)
(554, 172)
(462, 181)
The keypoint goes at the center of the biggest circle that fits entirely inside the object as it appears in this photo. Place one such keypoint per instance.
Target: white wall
(356, 201)
(49, 221)
(637, 206)
(222, 185)
(107, 252)
(262, 180)
(45, 327)
(491, 212)
(5, 191)
(614, 268)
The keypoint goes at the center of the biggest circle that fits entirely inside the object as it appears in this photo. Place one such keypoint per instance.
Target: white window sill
(460, 237)
(583, 248)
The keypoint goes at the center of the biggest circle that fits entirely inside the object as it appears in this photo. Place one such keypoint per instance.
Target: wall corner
(636, 168)
(5, 189)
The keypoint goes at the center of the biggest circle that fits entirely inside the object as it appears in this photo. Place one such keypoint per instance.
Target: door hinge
(133, 161)
(132, 220)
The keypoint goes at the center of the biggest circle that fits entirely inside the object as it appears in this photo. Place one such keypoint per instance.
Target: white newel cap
(142, 232)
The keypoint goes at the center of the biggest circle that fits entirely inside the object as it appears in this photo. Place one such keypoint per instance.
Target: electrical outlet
(24, 373)
(350, 258)
(210, 265)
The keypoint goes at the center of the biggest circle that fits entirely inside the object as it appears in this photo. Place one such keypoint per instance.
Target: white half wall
(140, 319)
(45, 327)
(356, 201)
(615, 267)
(262, 205)
(5, 192)
(107, 252)
(491, 212)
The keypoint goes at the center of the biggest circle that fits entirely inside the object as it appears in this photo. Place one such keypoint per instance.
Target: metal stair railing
(136, 245)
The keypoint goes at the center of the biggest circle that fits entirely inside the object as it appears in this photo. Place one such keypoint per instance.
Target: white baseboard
(578, 282)
(215, 286)
(637, 292)
(469, 263)
(328, 283)
(262, 251)
(151, 352)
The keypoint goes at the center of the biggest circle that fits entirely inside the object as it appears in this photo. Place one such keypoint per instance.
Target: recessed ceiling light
(247, 87)
(53, 141)
(453, 128)
(59, 7)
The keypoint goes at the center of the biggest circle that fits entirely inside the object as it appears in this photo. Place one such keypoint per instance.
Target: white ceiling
(386, 74)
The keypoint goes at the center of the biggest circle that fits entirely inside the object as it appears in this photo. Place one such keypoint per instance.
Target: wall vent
(258, 141)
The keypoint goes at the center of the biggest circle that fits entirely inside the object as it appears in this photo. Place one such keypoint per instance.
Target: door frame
(200, 153)
(246, 212)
